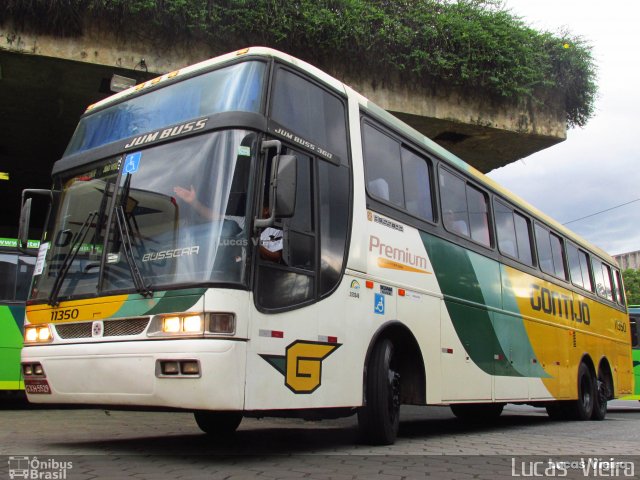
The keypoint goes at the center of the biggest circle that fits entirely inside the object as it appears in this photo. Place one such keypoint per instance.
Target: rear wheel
(218, 424)
(582, 408)
(477, 412)
(602, 393)
(379, 419)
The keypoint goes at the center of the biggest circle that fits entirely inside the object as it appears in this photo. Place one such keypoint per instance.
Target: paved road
(432, 444)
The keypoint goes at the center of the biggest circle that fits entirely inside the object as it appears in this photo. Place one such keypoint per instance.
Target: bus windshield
(172, 214)
(233, 88)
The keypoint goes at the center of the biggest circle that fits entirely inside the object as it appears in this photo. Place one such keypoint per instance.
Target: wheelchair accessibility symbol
(132, 162)
(378, 306)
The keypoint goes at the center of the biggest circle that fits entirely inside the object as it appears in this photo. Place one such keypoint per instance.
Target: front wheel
(218, 424)
(379, 418)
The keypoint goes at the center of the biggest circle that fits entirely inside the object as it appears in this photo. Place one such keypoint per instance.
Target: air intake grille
(129, 326)
(112, 328)
(74, 330)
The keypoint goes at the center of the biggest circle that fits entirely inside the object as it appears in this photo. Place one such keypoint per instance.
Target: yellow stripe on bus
(76, 310)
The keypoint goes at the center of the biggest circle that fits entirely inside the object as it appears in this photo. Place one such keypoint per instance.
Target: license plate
(37, 386)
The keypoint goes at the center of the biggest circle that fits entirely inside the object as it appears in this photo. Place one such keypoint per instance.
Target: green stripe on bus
(497, 342)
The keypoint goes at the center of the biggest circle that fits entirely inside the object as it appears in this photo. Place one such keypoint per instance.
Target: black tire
(600, 397)
(379, 418)
(582, 408)
(477, 412)
(218, 424)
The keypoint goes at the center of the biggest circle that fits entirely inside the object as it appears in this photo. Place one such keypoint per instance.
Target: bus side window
(416, 175)
(465, 209)
(602, 276)
(617, 282)
(8, 265)
(550, 252)
(382, 165)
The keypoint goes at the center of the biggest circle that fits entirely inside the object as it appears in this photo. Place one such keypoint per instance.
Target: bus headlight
(37, 334)
(177, 325)
(190, 325)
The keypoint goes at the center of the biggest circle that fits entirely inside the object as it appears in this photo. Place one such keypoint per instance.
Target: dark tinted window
(382, 166)
(523, 237)
(545, 256)
(559, 269)
(333, 192)
(635, 330)
(417, 185)
(310, 111)
(618, 284)
(578, 267)
(478, 215)
(602, 277)
(23, 276)
(513, 233)
(454, 203)
(464, 208)
(8, 266)
(506, 229)
(586, 274)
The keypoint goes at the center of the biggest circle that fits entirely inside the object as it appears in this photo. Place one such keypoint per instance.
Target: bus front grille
(112, 328)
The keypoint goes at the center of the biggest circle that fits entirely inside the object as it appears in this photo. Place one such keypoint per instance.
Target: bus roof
(416, 136)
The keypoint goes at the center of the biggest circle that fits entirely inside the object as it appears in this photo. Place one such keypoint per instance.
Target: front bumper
(125, 373)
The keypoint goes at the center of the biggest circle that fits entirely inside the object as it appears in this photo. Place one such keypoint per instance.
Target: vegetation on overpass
(473, 45)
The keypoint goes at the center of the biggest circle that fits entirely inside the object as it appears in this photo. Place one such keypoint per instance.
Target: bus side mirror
(25, 218)
(286, 186)
(23, 227)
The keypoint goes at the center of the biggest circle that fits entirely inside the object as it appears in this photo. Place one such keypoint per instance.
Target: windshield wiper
(125, 235)
(76, 245)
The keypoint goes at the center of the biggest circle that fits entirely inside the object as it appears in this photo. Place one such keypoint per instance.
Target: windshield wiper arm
(136, 274)
(76, 245)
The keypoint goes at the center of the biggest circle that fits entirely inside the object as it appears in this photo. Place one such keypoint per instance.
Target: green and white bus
(634, 318)
(402, 274)
(16, 270)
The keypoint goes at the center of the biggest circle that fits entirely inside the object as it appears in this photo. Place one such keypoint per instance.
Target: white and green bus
(397, 273)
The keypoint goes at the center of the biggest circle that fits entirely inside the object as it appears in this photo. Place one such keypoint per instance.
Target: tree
(631, 279)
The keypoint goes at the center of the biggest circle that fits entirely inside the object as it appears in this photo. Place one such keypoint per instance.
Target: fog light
(190, 367)
(192, 324)
(222, 323)
(170, 368)
(171, 324)
(37, 369)
(27, 369)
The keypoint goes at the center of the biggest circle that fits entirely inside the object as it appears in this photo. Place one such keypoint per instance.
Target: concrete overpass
(46, 83)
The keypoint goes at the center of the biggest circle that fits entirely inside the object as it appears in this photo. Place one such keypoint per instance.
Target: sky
(598, 166)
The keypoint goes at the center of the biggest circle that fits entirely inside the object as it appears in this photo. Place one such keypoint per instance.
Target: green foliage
(469, 44)
(631, 279)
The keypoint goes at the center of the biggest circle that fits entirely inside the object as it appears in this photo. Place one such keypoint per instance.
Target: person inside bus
(233, 224)
(271, 238)
(271, 241)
